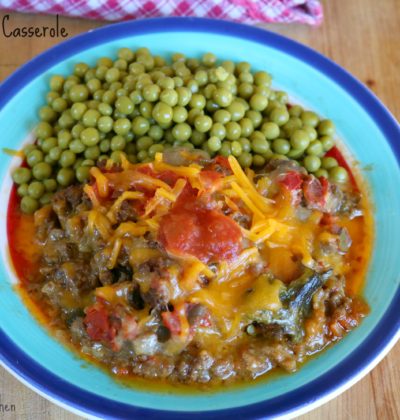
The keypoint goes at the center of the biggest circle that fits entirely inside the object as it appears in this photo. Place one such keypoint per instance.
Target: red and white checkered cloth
(247, 11)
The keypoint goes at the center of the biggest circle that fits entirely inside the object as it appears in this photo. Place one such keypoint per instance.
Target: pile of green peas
(139, 104)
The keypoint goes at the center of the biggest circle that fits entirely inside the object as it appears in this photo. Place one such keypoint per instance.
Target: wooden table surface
(361, 35)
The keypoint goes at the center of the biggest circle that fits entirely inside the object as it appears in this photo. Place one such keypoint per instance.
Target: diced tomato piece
(337, 154)
(191, 229)
(172, 322)
(210, 180)
(291, 180)
(98, 325)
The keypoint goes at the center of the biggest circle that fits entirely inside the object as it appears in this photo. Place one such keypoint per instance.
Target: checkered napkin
(247, 11)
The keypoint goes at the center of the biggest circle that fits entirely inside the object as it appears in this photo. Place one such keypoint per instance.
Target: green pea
(117, 143)
(124, 105)
(245, 160)
(112, 75)
(233, 130)
(184, 95)
(43, 130)
(218, 130)
(155, 148)
(87, 163)
(151, 93)
(155, 132)
(140, 126)
(105, 124)
(193, 86)
(22, 190)
(225, 149)
(203, 123)
(47, 114)
(312, 163)
(338, 174)
(126, 54)
(214, 143)
(65, 176)
(258, 160)
(36, 189)
(143, 143)
(41, 171)
(76, 146)
(122, 126)
(182, 132)
(246, 126)
(236, 148)
(28, 148)
(282, 97)
(90, 136)
(67, 158)
(29, 205)
(270, 130)
(34, 157)
(198, 138)
(90, 118)
(59, 104)
(66, 120)
(92, 152)
(295, 111)
(260, 145)
(315, 148)
(51, 96)
(179, 114)
(105, 145)
(169, 97)
(321, 173)
(255, 117)
(56, 83)
(222, 116)
(45, 199)
(258, 102)
(209, 59)
(105, 109)
(309, 118)
(329, 162)
(311, 131)
(162, 113)
(262, 78)
(279, 116)
(109, 97)
(92, 104)
(82, 174)
(80, 69)
(326, 128)
(237, 110)
(55, 153)
(50, 185)
(78, 93)
(246, 144)
(76, 130)
(299, 140)
(197, 101)
(77, 110)
(327, 142)
(142, 155)
(245, 90)
(21, 175)
(222, 97)
(146, 109)
(281, 146)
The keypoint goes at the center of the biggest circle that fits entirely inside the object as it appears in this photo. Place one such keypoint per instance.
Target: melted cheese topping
(233, 291)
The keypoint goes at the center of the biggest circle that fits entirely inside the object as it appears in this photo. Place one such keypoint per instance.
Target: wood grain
(362, 36)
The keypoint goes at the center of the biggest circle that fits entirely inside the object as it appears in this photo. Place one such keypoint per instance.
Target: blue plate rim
(364, 355)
